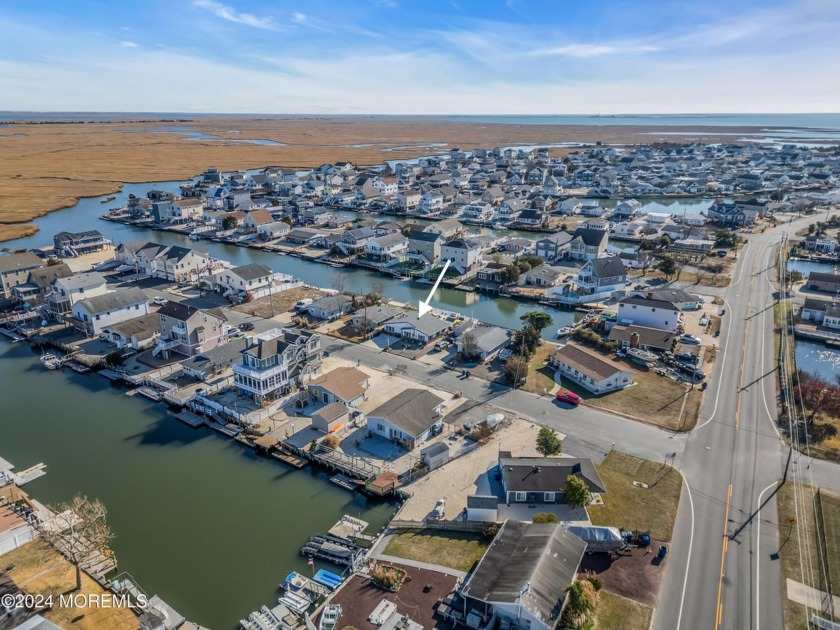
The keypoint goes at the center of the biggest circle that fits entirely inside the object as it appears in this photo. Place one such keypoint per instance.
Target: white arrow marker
(423, 307)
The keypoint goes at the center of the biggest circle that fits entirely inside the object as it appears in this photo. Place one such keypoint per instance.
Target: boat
(329, 618)
(328, 579)
(294, 582)
(565, 331)
(195, 237)
(499, 226)
(50, 361)
(296, 603)
(637, 355)
(107, 199)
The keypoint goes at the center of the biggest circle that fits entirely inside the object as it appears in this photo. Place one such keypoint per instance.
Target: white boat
(195, 237)
(295, 603)
(565, 331)
(329, 618)
(499, 226)
(50, 361)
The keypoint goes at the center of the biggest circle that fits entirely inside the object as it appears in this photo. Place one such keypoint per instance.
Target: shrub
(545, 517)
(331, 441)
(389, 578)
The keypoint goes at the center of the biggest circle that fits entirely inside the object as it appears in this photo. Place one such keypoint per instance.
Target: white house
(590, 371)
(465, 253)
(409, 418)
(65, 292)
(173, 263)
(94, 314)
(387, 247)
(422, 329)
(601, 276)
(253, 278)
(409, 200)
(431, 201)
(653, 313)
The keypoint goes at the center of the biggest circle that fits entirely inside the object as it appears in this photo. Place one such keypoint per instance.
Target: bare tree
(80, 532)
(338, 280)
(469, 346)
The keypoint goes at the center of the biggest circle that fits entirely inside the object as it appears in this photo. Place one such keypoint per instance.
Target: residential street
(720, 573)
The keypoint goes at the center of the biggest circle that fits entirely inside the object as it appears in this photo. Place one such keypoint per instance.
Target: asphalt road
(720, 571)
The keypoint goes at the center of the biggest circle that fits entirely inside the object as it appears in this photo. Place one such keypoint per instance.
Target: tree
(510, 274)
(526, 341)
(229, 223)
(664, 241)
(536, 320)
(516, 369)
(816, 395)
(548, 442)
(114, 359)
(287, 220)
(469, 346)
(79, 531)
(545, 517)
(577, 492)
(580, 604)
(531, 260)
(725, 238)
(52, 262)
(668, 266)
(497, 257)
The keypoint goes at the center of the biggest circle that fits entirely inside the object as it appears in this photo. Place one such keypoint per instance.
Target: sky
(421, 56)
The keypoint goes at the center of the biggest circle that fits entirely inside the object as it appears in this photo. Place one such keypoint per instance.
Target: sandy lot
(467, 475)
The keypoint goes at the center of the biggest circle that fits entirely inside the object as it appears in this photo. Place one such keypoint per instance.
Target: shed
(482, 508)
(331, 417)
(435, 456)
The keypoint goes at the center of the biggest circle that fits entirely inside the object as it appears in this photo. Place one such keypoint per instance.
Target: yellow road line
(719, 609)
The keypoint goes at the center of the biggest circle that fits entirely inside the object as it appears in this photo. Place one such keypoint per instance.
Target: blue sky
(421, 56)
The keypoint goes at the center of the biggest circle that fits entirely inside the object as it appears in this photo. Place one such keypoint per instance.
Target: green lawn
(626, 506)
(789, 543)
(614, 611)
(455, 550)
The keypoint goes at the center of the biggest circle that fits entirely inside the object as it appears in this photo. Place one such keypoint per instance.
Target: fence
(452, 526)
(15, 539)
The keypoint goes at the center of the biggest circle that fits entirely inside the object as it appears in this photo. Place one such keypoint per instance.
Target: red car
(568, 397)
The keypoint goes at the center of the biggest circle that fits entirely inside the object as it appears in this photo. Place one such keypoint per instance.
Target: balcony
(260, 374)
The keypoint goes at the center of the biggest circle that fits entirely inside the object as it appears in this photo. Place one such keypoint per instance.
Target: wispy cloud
(128, 44)
(302, 19)
(230, 14)
(390, 4)
(594, 50)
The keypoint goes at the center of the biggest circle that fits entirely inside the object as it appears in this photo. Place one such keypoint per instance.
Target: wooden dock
(191, 419)
(291, 460)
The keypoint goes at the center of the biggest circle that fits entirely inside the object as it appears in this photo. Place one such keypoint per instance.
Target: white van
(302, 304)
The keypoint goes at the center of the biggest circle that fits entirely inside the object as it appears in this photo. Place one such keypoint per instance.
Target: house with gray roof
(14, 270)
(522, 577)
(648, 311)
(68, 290)
(374, 317)
(330, 307)
(423, 329)
(553, 246)
(489, 341)
(95, 313)
(216, 361)
(409, 418)
(542, 480)
(36, 287)
(601, 276)
(425, 245)
(138, 333)
(588, 243)
(591, 371)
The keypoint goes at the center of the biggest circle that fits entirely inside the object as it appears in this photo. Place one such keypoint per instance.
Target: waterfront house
(188, 330)
(15, 269)
(72, 244)
(275, 361)
(209, 365)
(409, 418)
(387, 247)
(138, 333)
(491, 273)
(255, 218)
(542, 480)
(522, 578)
(542, 276)
(68, 290)
(299, 236)
(94, 314)
(728, 214)
(693, 220)
(632, 336)
(825, 282)
(569, 206)
(173, 262)
(587, 244)
(426, 245)
(126, 253)
(273, 230)
(448, 228)
(650, 312)
(409, 200)
(387, 227)
(532, 217)
(254, 278)
(330, 307)
(820, 312)
(629, 230)
(627, 209)
(347, 385)
(353, 241)
(177, 211)
(553, 246)
(489, 341)
(39, 284)
(589, 370)
(477, 211)
(635, 259)
(372, 318)
(431, 202)
(422, 329)
(601, 276)
(465, 253)
(821, 244)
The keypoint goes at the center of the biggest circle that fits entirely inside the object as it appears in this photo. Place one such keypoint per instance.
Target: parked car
(721, 253)
(691, 370)
(159, 300)
(505, 354)
(440, 509)
(568, 397)
(687, 357)
(232, 332)
(302, 304)
(246, 326)
(184, 284)
(690, 340)
(442, 345)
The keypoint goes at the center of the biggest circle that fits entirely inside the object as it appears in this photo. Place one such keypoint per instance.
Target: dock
(7, 473)
(11, 334)
(343, 481)
(291, 460)
(191, 419)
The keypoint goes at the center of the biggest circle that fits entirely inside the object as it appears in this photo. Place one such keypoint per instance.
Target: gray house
(542, 480)
(330, 306)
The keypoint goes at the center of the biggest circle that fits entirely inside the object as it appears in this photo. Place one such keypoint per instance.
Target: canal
(200, 520)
